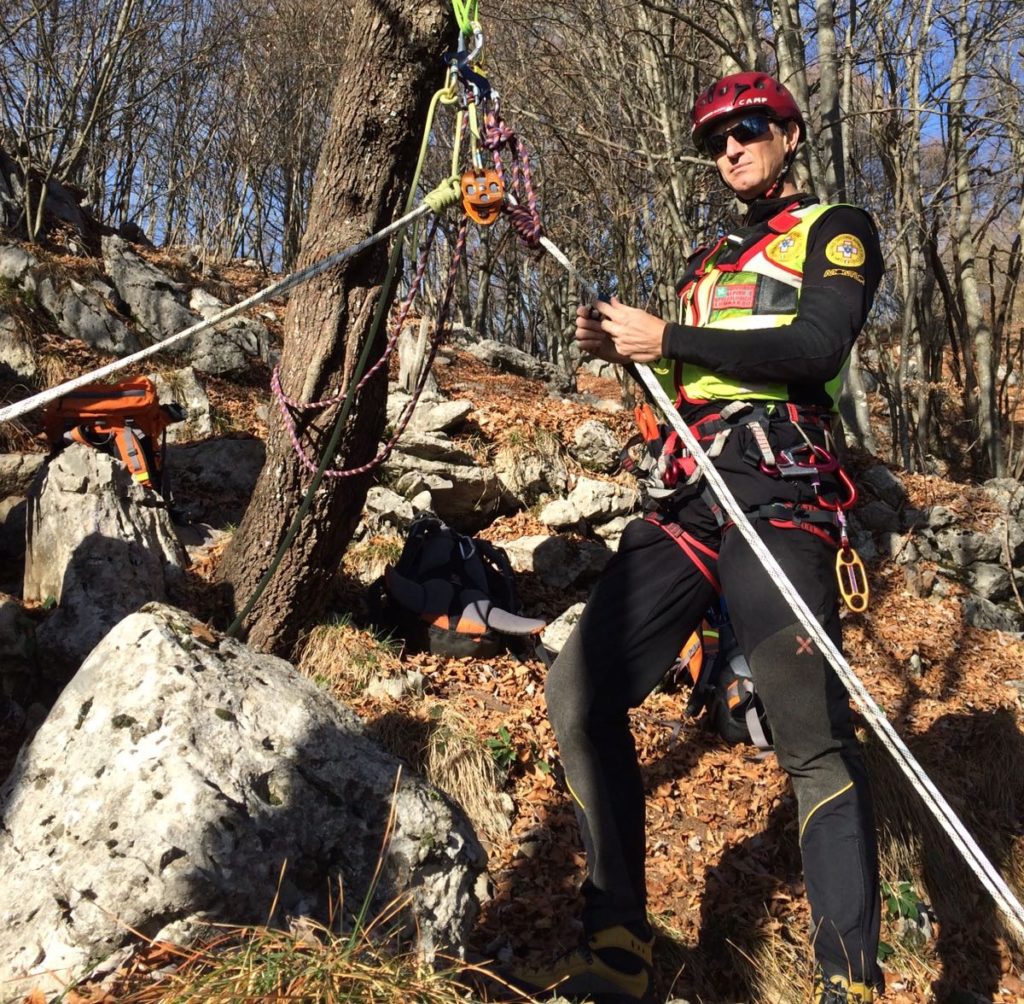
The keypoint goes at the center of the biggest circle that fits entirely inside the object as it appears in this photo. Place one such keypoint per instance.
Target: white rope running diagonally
(296, 278)
(965, 843)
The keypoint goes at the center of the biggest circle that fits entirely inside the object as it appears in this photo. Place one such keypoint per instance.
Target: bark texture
(393, 65)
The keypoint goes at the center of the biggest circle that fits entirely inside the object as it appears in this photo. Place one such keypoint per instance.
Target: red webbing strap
(691, 547)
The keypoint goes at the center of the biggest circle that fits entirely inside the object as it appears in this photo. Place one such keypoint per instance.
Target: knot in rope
(497, 134)
(526, 223)
(447, 194)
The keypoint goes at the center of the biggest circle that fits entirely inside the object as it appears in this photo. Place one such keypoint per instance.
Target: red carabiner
(850, 489)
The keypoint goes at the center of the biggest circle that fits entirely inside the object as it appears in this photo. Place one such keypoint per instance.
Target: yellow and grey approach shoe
(613, 966)
(840, 990)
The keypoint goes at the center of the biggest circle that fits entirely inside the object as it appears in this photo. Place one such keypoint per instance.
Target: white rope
(303, 275)
(965, 843)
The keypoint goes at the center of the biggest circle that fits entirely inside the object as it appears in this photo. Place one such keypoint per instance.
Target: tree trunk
(378, 110)
(981, 407)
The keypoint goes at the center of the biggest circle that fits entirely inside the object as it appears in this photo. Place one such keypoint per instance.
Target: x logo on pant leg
(803, 646)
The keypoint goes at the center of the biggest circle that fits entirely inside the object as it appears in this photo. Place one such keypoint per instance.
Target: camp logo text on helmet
(737, 91)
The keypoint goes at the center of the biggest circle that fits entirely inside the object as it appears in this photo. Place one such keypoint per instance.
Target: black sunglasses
(748, 128)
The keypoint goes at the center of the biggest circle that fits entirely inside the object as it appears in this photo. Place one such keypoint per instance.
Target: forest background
(202, 121)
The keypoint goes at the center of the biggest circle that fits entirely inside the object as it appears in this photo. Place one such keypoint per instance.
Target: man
(768, 317)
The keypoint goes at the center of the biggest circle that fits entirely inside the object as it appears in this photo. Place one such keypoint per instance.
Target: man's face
(749, 151)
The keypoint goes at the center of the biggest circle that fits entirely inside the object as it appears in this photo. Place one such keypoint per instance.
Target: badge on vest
(845, 250)
(788, 249)
(739, 296)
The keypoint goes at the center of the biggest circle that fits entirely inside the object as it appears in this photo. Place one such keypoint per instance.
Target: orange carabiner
(646, 422)
(483, 194)
(853, 579)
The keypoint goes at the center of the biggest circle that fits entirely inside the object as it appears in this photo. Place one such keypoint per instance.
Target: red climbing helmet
(740, 92)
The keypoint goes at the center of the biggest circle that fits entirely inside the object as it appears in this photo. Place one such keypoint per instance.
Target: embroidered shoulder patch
(845, 250)
(787, 249)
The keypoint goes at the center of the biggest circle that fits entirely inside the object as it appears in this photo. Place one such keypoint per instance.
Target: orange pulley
(483, 194)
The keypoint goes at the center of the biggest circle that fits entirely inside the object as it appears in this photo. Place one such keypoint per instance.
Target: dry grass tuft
(779, 973)
(366, 560)
(458, 762)
(314, 964)
(344, 659)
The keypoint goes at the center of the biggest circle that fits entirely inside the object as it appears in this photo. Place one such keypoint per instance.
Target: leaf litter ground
(723, 867)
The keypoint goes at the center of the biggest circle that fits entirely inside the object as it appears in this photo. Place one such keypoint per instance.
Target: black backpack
(722, 686)
(452, 594)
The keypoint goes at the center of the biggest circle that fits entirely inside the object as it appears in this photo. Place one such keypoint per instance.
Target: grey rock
(939, 517)
(156, 301)
(560, 514)
(17, 651)
(596, 447)
(990, 582)
(13, 513)
(213, 480)
(556, 634)
(912, 519)
(385, 508)
(178, 778)
(1008, 493)
(17, 358)
(98, 548)
(16, 263)
(232, 344)
(18, 471)
(507, 359)
(600, 368)
(416, 446)
(466, 497)
(611, 532)
(446, 416)
(600, 501)
(183, 387)
(531, 471)
(965, 547)
(884, 485)
(878, 516)
(556, 560)
(984, 614)
(81, 312)
(399, 402)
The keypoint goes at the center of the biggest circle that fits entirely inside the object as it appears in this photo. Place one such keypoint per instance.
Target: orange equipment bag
(124, 419)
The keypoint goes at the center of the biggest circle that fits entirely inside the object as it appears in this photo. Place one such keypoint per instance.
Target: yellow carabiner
(853, 580)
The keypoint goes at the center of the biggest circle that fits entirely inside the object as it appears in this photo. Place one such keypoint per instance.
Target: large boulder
(178, 778)
(467, 496)
(82, 312)
(212, 481)
(509, 359)
(155, 299)
(98, 548)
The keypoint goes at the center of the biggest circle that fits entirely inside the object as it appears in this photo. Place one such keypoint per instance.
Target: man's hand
(593, 339)
(635, 333)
